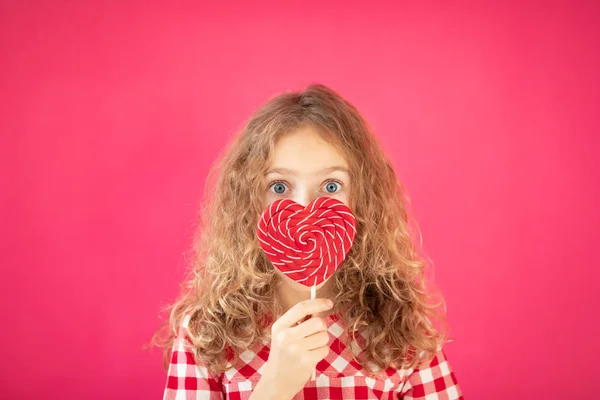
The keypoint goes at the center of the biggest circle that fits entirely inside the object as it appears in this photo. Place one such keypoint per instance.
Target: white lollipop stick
(313, 295)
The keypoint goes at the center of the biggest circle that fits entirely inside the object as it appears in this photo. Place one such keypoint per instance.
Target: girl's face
(306, 167)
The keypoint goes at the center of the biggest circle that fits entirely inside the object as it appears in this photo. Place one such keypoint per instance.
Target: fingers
(315, 341)
(319, 353)
(309, 327)
(301, 310)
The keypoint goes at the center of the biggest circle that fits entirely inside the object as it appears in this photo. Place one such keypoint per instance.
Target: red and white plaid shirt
(338, 376)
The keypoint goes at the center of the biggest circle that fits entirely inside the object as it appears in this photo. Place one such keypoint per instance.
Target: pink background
(112, 112)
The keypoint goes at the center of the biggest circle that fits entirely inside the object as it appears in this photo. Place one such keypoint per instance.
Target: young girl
(244, 330)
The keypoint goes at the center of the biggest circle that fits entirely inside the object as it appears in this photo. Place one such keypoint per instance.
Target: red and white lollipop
(307, 244)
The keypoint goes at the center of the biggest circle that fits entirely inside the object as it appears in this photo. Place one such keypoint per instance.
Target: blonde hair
(229, 291)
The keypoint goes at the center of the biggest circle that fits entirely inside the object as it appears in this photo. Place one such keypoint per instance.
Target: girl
(244, 330)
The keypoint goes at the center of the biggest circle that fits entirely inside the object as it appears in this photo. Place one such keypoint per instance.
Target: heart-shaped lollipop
(309, 243)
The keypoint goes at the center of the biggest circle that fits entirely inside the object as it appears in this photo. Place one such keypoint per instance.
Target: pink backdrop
(111, 115)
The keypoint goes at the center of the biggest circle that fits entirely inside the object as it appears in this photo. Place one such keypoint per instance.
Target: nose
(304, 196)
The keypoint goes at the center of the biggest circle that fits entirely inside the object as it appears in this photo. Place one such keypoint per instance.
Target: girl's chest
(338, 376)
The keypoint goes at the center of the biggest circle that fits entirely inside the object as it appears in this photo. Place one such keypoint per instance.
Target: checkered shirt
(338, 376)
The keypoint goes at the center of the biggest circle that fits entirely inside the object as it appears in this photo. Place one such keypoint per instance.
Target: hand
(296, 349)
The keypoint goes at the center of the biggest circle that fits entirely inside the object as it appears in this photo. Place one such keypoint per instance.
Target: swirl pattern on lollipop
(309, 243)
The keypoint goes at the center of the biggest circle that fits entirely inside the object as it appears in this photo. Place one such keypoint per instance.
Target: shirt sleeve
(432, 381)
(186, 379)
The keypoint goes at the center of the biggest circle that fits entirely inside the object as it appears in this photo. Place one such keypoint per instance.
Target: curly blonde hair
(229, 289)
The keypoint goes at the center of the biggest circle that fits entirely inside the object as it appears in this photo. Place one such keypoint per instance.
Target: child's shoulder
(182, 329)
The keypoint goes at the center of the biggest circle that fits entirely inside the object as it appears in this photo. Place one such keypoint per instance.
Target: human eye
(277, 187)
(333, 186)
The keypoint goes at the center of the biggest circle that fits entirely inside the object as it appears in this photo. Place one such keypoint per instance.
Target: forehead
(304, 150)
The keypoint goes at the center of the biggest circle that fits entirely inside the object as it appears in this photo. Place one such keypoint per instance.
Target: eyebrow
(324, 171)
